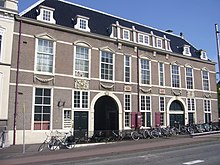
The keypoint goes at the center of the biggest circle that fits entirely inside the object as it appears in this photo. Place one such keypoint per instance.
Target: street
(206, 153)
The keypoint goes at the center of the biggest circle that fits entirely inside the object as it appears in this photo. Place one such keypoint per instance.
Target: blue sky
(196, 19)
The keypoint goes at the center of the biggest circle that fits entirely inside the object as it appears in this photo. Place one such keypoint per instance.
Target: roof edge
(31, 7)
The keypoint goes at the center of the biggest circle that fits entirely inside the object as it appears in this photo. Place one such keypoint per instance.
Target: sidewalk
(14, 155)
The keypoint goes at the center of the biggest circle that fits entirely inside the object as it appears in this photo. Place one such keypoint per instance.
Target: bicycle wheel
(135, 136)
(71, 145)
(54, 144)
(41, 147)
(154, 134)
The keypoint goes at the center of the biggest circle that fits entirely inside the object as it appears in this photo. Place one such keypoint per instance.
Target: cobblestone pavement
(14, 154)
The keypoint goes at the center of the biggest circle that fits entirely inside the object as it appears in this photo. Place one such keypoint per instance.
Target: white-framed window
(127, 110)
(46, 14)
(191, 104)
(82, 61)
(203, 55)
(162, 110)
(207, 110)
(1, 89)
(159, 43)
(145, 71)
(127, 68)
(205, 79)
(45, 55)
(107, 65)
(186, 50)
(146, 110)
(162, 104)
(80, 99)
(175, 76)
(126, 34)
(1, 44)
(189, 78)
(42, 108)
(82, 23)
(67, 118)
(143, 39)
(161, 74)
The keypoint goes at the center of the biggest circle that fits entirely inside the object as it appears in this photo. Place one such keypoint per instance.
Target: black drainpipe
(138, 83)
(16, 88)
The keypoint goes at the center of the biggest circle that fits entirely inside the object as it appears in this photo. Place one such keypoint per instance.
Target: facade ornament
(146, 90)
(107, 86)
(177, 92)
(43, 80)
(127, 88)
(82, 84)
(207, 95)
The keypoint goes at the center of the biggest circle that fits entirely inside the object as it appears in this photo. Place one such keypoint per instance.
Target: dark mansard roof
(99, 22)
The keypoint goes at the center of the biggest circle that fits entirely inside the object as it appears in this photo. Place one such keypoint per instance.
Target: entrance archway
(106, 114)
(176, 112)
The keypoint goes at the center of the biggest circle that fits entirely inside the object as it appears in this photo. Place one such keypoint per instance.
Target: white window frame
(51, 108)
(127, 109)
(107, 63)
(79, 73)
(67, 121)
(85, 26)
(126, 34)
(127, 65)
(161, 73)
(174, 83)
(207, 109)
(191, 104)
(205, 80)
(1, 89)
(144, 108)
(190, 77)
(162, 104)
(159, 43)
(49, 11)
(81, 105)
(53, 54)
(203, 55)
(145, 39)
(2, 31)
(186, 50)
(145, 70)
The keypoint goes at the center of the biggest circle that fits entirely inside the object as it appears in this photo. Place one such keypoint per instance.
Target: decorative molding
(43, 80)
(207, 95)
(146, 90)
(127, 88)
(81, 84)
(162, 91)
(176, 92)
(190, 94)
(107, 86)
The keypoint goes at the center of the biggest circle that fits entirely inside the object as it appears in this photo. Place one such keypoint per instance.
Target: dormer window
(186, 50)
(159, 43)
(203, 55)
(143, 39)
(82, 23)
(126, 34)
(46, 14)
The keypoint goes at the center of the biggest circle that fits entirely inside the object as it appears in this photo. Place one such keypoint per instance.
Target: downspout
(16, 88)
(138, 83)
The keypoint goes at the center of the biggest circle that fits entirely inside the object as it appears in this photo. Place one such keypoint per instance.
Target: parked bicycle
(48, 142)
(68, 141)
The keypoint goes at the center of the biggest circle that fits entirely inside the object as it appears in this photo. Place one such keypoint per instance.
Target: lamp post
(217, 42)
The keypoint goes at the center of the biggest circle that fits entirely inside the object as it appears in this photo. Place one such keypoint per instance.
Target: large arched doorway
(176, 112)
(106, 114)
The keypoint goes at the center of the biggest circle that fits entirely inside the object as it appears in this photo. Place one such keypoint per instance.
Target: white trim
(2, 46)
(130, 68)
